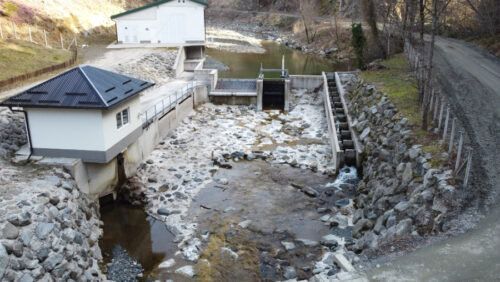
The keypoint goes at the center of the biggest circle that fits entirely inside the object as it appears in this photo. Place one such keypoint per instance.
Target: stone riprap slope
(12, 132)
(156, 66)
(48, 229)
(400, 195)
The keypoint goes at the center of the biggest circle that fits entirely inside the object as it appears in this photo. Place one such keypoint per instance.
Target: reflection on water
(247, 65)
(146, 240)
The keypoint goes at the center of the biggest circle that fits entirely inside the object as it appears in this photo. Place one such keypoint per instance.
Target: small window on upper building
(122, 118)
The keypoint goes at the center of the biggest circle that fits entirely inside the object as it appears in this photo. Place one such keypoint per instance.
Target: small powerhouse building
(86, 113)
(171, 22)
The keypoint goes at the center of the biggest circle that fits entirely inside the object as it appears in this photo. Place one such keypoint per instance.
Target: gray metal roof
(83, 87)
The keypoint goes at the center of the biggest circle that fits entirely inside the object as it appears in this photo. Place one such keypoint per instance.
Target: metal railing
(163, 106)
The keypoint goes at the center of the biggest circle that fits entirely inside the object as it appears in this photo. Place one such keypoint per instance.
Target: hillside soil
(18, 57)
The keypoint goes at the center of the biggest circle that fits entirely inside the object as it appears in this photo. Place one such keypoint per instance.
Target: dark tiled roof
(152, 5)
(83, 87)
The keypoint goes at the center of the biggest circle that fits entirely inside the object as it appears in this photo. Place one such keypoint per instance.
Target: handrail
(170, 100)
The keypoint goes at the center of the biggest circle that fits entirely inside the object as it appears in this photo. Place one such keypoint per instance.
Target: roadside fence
(443, 119)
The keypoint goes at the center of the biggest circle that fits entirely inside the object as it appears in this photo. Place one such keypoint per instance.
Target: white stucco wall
(66, 129)
(113, 135)
(72, 129)
(169, 23)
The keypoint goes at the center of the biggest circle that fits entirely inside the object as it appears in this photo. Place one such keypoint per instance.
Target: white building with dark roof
(165, 22)
(85, 113)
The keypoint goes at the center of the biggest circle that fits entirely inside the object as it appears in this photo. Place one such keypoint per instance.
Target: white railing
(170, 101)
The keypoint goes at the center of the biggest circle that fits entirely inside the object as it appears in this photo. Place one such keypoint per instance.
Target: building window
(122, 118)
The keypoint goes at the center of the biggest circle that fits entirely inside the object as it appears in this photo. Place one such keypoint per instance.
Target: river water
(247, 65)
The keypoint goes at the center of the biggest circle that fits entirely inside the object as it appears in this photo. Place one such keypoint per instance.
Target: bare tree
(370, 15)
(438, 7)
(308, 14)
(487, 13)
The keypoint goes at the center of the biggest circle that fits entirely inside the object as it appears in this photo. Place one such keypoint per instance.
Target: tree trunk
(306, 29)
(371, 17)
(428, 82)
(405, 19)
(422, 50)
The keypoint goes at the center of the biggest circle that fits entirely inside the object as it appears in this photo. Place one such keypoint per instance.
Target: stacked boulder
(49, 231)
(12, 132)
(400, 195)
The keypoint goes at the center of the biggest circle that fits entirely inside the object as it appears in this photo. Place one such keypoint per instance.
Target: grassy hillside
(400, 85)
(19, 57)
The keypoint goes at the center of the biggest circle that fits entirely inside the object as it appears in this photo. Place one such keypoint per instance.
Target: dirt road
(470, 78)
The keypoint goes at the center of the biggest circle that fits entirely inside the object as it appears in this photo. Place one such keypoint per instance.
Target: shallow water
(247, 65)
(146, 240)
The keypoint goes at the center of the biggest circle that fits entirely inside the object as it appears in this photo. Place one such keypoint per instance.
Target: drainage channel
(346, 143)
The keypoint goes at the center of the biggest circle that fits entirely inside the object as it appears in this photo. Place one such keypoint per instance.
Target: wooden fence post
(29, 32)
(441, 115)
(432, 101)
(15, 32)
(467, 170)
(459, 152)
(62, 42)
(436, 108)
(445, 132)
(45, 38)
(1, 31)
(452, 136)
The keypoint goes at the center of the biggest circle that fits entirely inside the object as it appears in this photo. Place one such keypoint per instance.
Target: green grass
(400, 85)
(18, 57)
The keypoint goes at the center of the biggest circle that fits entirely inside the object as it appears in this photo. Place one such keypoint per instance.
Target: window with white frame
(122, 118)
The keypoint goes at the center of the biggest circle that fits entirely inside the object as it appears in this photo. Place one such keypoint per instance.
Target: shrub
(9, 8)
(358, 42)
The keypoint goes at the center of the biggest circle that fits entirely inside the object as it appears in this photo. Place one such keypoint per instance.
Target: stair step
(346, 134)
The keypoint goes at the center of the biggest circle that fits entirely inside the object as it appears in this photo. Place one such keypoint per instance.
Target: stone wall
(12, 132)
(400, 196)
(49, 230)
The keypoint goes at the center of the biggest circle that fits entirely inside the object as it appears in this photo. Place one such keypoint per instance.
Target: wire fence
(42, 37)
(443, 119)
(37, 35)
(170, 101)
